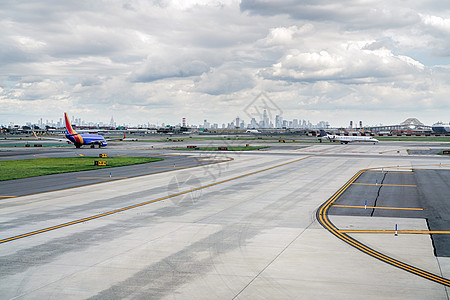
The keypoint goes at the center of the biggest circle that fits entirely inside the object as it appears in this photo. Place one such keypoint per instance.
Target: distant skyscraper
(183, 122)
(278, 121)
(265, 120)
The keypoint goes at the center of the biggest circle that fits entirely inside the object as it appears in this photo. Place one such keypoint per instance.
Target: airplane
(79, 139)
(252, 131)
(345, 139)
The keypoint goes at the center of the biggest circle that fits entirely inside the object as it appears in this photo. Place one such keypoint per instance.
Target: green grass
(217, 148)
(22, 144)
(15, 169)
(304, 141)
(248, 138)
(414, 138)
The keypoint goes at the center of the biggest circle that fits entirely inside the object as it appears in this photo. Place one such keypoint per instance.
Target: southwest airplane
(83, 138)
(346, 139)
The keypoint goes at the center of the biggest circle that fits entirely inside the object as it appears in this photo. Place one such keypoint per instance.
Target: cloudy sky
(379, 61)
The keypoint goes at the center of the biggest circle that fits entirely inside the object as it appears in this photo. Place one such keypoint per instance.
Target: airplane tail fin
(69, 129)
(322, 133)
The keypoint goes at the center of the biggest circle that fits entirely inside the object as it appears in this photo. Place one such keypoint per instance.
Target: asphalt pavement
(33, 185)
(427, 190)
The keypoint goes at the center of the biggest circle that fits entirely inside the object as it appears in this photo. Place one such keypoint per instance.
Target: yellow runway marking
(122, 154)
(322, 217)
(151, 201)
(407, 169)
(399, 172)
(40, 156)
(377, 207)
(398, 231)
(385, 184)
(101, 177)
(168, 167)
(8, 196)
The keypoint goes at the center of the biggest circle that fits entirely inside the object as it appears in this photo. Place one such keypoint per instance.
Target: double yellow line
(323, 219)
(385, 184)
(377, 207)
(394, 231)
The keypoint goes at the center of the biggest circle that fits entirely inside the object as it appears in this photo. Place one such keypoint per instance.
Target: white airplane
(252, 131)
(346, 139)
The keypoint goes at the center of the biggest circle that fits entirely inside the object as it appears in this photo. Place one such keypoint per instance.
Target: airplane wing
(50, 138)
(117, 139)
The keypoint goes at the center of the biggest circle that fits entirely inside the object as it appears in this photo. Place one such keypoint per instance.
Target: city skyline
(265, 122)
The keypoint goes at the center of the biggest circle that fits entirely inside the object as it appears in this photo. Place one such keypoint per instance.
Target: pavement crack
(378, 195)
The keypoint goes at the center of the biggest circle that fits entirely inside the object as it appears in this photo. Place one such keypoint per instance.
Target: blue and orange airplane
(79, 139)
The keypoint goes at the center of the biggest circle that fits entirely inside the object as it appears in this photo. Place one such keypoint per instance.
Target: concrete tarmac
(240, 229)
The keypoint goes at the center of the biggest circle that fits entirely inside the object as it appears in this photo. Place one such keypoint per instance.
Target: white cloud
(209, 59)
(156, 69)
(439, 23)
(225, 80)
(349, 61)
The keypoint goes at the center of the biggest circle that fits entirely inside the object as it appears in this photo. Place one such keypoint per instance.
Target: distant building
(409, 125)
(278, 121)
(253, 124)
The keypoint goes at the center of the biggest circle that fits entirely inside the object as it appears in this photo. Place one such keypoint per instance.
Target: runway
(240, 229)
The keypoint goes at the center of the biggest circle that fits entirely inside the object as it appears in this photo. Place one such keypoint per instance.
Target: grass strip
(33, 144)
(217, 148)
(15, 169)
(442, 152)
(414, 138)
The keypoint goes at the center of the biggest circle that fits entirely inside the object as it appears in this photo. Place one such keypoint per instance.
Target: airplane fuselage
(87, 139)
(349, 139)
(346, 139)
